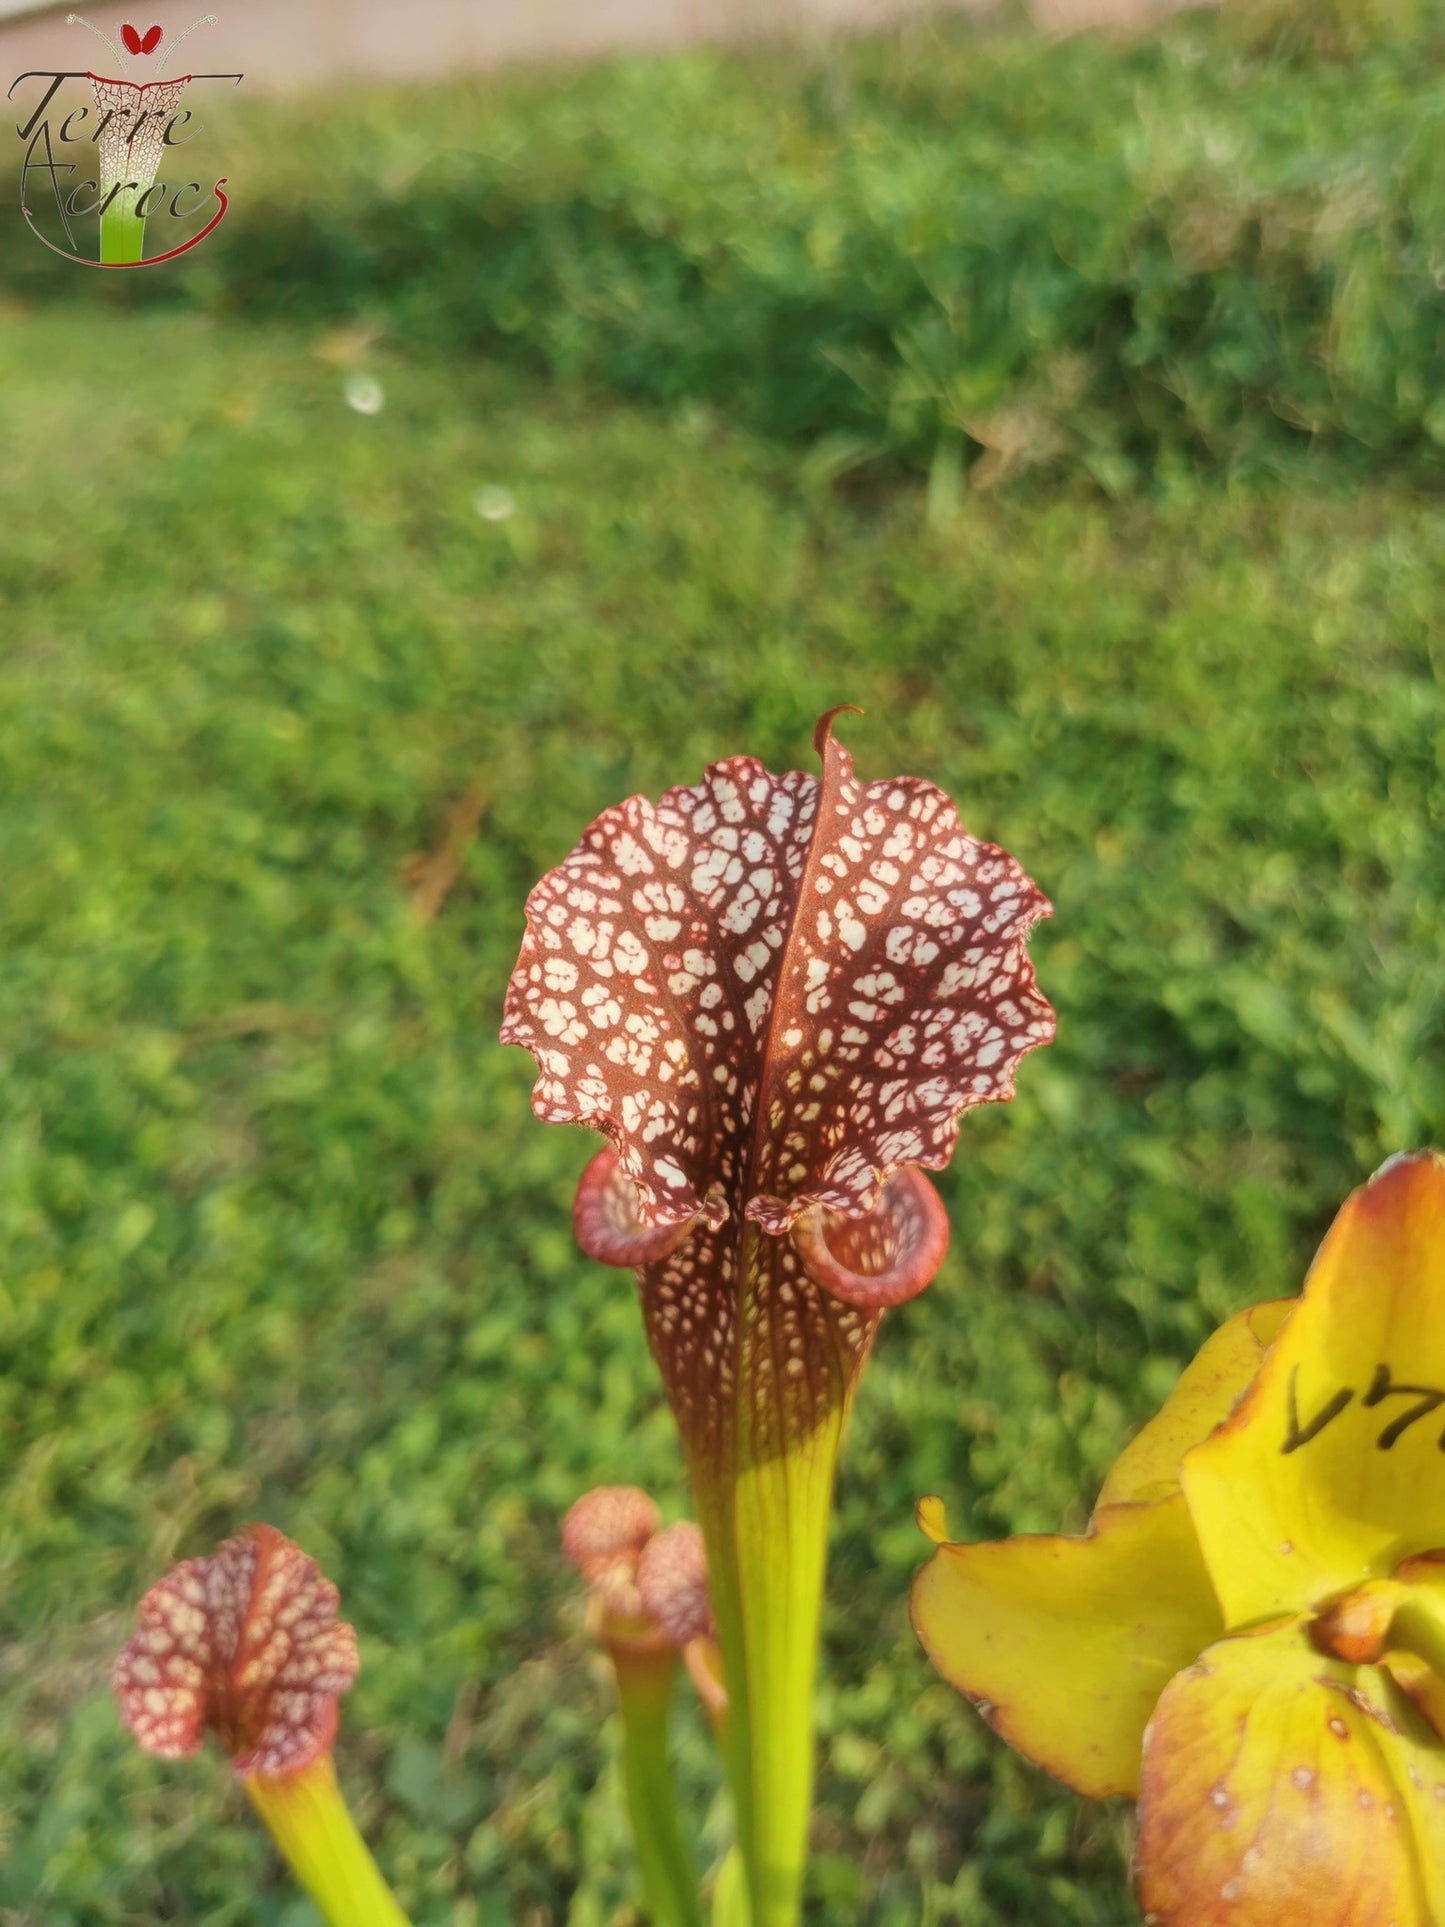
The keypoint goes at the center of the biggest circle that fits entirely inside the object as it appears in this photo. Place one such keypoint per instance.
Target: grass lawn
(278, 1236)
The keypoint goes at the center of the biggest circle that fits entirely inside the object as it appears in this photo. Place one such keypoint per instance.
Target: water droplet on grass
(365, 394)
(494, 504)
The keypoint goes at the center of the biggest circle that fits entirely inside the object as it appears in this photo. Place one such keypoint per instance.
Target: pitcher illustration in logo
(139, 122)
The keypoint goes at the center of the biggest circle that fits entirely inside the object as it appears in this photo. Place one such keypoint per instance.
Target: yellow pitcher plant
(1250, 1638)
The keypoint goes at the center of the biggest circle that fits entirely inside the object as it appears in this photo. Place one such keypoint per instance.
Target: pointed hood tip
(823, 728)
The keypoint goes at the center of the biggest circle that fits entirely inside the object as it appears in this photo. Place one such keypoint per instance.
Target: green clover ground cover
(278, 1237)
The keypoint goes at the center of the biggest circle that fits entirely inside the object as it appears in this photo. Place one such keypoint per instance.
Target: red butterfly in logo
(134, 44)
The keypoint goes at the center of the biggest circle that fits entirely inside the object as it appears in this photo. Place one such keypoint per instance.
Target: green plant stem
(308, 1819)
(764, 1516)
(730, 1893)
(644, 1692)
(767, 1549)
(122, 231)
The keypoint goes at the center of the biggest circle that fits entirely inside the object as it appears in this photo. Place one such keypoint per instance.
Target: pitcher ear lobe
(884, 1258)
(605, 1218)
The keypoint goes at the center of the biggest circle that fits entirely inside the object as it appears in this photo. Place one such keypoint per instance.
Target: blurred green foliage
(956, 249)
(278, 1235)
